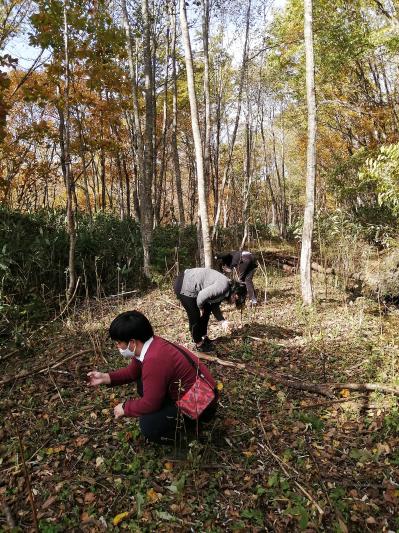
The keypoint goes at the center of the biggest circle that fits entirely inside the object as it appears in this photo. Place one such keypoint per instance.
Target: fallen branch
(364, 387)
(323, 389)
(45, 368)
(221, 362)
(120, 294)
(27, 481)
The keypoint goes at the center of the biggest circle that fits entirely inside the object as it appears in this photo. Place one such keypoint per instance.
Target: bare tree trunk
(102, 177)
(121, 201)
(160, 189)
(146, 209)
(237, 120)
(197, 137)
(215, 159)
(65, 147)
(84, 165)
(127, 184)
(145, 151)
(175, 153)
(132, 72)
(307, 233)
(280, 182)
(207, 96)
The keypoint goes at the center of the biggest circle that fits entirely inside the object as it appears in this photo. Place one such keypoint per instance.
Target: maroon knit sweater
(163, 369)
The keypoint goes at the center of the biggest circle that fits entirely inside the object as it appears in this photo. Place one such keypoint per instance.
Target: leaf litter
(274, 459)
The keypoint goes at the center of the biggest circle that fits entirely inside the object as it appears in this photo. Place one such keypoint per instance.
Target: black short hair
(224, 258)
(240, 289)
(131, 325)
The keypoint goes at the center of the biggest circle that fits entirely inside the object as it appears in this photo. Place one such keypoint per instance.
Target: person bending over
(200, 291)
(161, 372)
(244, 264)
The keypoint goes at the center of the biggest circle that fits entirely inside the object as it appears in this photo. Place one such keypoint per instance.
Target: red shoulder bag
(199, 396)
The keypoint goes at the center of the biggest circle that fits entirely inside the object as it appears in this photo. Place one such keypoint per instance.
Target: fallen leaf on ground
(153, 496)
(80, 441)
(89, 497)
(49, 502)
(119, 517)
(57, 449)
(99, 461)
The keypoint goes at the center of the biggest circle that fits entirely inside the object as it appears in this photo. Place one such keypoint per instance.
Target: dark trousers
(198, 322)
(164, 425)
(246, 270)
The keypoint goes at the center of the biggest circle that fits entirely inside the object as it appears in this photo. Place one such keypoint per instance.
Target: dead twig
(171, 303)
(27, 480)
(46, 368)
(284, 469)
(120, 294)
(221, 362)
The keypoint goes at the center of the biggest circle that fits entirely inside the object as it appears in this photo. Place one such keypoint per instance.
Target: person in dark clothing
(160, 370)
(243, 264)
(201, 290)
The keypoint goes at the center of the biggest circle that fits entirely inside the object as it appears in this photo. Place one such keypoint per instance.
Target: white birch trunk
(203, 211)
(306, 249)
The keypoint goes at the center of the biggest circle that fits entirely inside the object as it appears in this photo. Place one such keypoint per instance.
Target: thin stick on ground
(27, 480)
(46, 368)
(171, 303)
(284, 469)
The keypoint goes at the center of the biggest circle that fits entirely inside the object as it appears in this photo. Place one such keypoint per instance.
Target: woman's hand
(119, 411)
(98, 378)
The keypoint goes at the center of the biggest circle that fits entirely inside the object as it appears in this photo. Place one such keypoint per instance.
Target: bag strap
(196, 368)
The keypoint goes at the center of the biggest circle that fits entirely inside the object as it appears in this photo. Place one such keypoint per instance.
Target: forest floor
(274, 459)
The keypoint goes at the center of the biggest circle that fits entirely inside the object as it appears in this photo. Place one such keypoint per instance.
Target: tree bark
(307, 233)
(175, 153)
(160, 189)
(144, 150)
(146, 208)
(67, 167)
(207, 95)
(237, 120)
(197, 137)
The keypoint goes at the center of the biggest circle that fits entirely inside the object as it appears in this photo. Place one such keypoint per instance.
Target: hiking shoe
(205, 347)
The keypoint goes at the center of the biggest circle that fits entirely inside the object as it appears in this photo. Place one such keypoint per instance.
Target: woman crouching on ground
(160, 369)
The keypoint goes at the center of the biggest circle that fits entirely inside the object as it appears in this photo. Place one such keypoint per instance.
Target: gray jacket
(205, 284)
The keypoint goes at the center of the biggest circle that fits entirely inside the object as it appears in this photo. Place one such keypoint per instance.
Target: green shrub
(34, 259)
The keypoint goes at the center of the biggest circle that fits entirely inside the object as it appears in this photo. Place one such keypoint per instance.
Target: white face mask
(127, 352)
